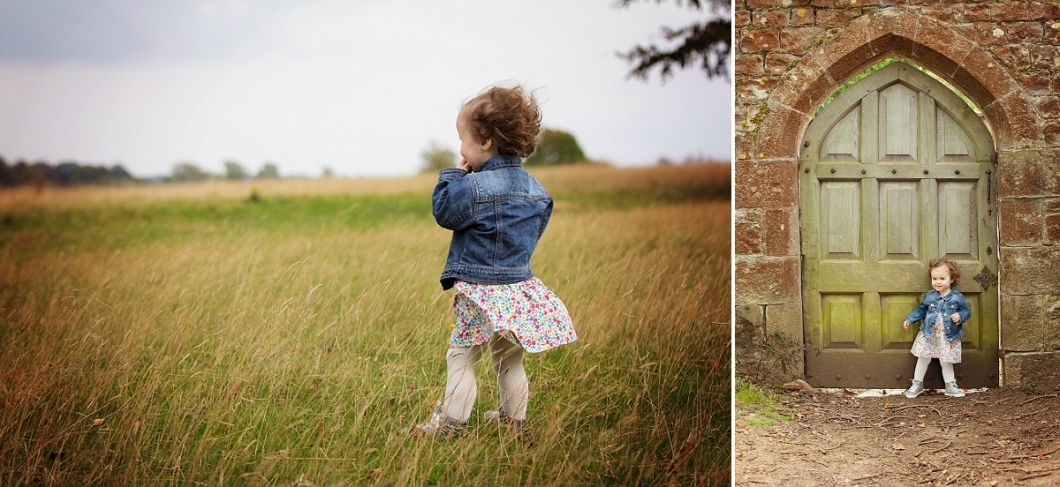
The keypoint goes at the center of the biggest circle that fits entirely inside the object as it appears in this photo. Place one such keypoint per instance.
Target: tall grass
(202, 338)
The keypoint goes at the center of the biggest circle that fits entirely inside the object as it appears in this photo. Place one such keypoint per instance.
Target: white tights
(460, 386)
(922, 365)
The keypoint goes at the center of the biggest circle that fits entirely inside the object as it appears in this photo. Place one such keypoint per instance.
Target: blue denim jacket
(933, 304)
(497, 215)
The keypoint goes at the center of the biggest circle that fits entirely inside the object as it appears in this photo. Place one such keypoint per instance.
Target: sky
(359, 87)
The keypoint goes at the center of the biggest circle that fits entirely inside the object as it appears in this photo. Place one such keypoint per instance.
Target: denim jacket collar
(500, 161)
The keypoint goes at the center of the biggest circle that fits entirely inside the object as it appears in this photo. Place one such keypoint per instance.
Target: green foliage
(706, 43)
(269, 171)
(556, 147)
(187, 172)
(436, 157)
(235, 171)
(750, 397)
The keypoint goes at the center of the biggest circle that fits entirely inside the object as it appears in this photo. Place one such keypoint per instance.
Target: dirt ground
(995, 437)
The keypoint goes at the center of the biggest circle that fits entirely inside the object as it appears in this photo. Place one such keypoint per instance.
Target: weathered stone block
(748, 238)
(798, 39)
(1052, 230)
(776, 3)
(770, 18)
(741, 18)
(835, 18)
(1012, 56)
(989, 33)
(1013, 118)
(802, 16)
(942, 47)
(1020, 221)
(1011, 12)
(748, 65)
(1034, 81)
(780, 232)
(1028, 173)
(941, 12)
(1024, 320)
(781, 132)
(1030, 270)
(778, 63)
(786, 319)
(766, 184)
(1037, 371)
(767, 280)
(750, 323)
(1052, 323)
(805, 86)
(1044, 57)
(760, 40)
(756, 90)
(1047, 106)
(1051, 132)
(976, 13)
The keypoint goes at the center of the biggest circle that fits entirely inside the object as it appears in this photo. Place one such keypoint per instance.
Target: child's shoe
(439, 424)
(916, 389)
(502, 417)
(952, 390)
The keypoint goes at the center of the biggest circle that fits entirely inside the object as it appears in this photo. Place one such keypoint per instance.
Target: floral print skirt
(527, 313)
(937, 346)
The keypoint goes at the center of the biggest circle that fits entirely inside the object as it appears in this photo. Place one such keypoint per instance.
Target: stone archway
(767, 149)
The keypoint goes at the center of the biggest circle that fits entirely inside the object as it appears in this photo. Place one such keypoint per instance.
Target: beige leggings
(460, 386)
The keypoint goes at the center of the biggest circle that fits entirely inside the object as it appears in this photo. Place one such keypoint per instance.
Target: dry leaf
(375, 473)
(799, 385)
(97, 421)
(849, 393)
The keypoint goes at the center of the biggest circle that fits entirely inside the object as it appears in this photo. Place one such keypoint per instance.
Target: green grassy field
(191, 335)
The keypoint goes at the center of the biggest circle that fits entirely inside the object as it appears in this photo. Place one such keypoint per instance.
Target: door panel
(893, 174)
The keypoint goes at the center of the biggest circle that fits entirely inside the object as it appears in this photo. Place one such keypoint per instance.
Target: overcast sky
(360, 87)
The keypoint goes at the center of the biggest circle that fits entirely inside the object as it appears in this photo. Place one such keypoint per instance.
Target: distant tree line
(555, 147)
(67, 173)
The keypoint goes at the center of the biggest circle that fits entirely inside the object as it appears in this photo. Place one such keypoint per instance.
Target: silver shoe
(952, 390)
(502, 418)
(916, 389)
(439, 424)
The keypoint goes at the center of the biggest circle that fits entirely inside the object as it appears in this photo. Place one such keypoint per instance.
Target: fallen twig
(1037, 398)
(947, 445)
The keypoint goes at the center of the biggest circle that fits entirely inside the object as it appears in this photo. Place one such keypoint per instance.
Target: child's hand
(955, 317)
(905, 324)
(464, 165)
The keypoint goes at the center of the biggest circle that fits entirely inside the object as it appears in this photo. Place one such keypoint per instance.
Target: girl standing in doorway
(944, 312)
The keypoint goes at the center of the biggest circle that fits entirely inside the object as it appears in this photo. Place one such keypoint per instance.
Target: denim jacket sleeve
(453, 201)
(920, 311)
(963, 309)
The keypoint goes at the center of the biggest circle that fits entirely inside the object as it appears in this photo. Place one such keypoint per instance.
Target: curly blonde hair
(509, 116)
(955, 270)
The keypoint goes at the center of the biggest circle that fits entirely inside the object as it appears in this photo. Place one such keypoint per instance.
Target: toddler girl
(497, 212)
(944, 312)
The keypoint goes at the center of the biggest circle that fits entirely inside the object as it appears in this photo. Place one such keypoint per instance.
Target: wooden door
(895, 171)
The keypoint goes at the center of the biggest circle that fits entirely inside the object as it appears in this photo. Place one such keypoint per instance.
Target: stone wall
(1003, 54)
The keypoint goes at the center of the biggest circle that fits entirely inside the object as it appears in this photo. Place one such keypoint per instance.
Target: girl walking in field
(944, 312)
(497, 212)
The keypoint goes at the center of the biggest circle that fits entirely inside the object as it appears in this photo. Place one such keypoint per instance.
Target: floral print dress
(527, 313)
(937, 346)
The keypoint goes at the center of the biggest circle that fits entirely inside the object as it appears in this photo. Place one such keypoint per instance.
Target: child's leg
(507, 359)
(460, 386)
(921, 368)
(947, 372)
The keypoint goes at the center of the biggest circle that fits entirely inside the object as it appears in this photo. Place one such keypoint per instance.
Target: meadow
(284, 332)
